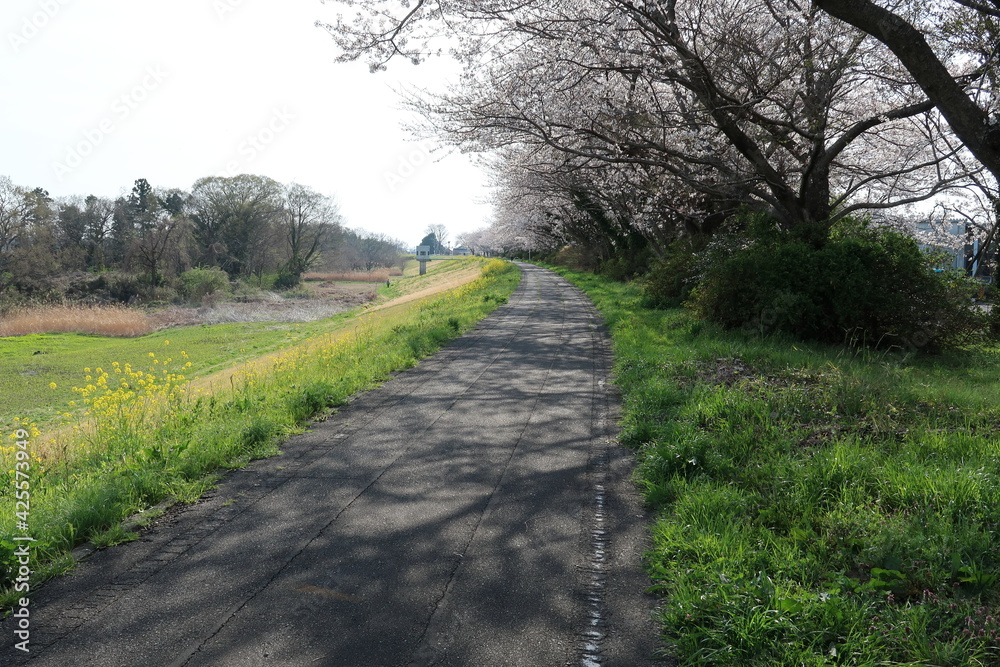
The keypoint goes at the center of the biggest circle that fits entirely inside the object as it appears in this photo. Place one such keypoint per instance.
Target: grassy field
(30, 364)
(143, 430)
(814, 505)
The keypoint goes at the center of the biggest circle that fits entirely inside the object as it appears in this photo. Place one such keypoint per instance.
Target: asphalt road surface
(474, 510)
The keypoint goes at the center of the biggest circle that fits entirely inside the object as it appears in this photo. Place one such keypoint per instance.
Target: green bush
(628, 262)
(119, 286)
(287, 280)
(159, 295)
(575, 257)
(198, 283)
(669, 283)
(865, 285)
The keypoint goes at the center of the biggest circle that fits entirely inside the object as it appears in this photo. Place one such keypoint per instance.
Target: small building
(460, 250)
(423, 253)
(945, 236)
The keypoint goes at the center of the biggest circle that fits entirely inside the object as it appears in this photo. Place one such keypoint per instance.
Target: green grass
(30, 363)
(159, 438)
(814, 506)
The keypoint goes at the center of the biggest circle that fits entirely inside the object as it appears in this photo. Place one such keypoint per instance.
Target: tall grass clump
(99, 320)
(814, 505)
(152, 433)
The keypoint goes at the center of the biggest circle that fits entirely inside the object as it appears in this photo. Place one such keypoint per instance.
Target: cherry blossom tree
(608, 209)
(765, 102)
(950, 50)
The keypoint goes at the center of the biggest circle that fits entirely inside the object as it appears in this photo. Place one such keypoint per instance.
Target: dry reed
(101, 320)
(379, 276)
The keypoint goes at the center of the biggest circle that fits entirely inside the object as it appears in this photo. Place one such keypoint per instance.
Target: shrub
(198, 283)
(670, 280)
(865, 285)
(244, 290)
(993, 321)
(265, 281)
(575, 257)
(121, 287)
(626, 264)
(161, 294)
(287, 280)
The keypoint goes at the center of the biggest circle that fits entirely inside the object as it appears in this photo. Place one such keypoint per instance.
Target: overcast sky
(94, 95)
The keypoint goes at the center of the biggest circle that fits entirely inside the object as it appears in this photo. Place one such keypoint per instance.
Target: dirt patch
(725, 371)
(355, 276)
(436, 284)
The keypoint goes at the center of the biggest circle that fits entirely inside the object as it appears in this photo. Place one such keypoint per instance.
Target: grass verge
(152, 435)
(814, 506)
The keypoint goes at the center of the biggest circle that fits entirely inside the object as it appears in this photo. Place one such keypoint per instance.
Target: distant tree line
(249, 226)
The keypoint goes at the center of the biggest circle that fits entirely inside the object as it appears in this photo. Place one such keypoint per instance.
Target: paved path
(472, 511)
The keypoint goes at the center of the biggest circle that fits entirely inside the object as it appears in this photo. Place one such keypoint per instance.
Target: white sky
(95, 94)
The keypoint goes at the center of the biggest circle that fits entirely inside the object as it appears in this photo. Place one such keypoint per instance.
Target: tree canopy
(615, 120)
